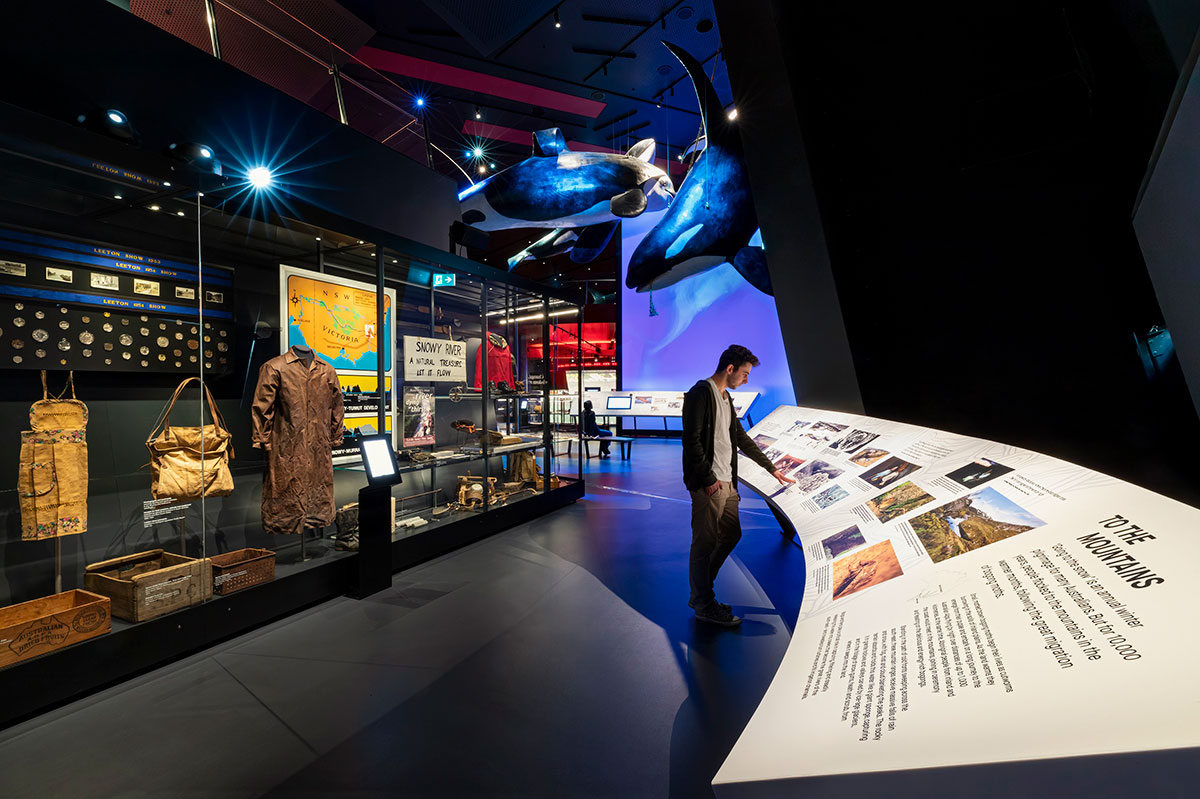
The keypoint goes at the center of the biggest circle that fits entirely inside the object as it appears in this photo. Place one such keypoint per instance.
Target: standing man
(712, 435)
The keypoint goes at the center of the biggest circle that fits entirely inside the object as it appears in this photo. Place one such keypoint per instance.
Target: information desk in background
(967, 602)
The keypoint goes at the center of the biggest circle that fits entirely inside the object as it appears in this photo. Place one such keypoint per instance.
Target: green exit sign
(443, 280)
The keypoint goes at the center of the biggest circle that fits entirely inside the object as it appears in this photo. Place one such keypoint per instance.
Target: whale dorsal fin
(716, 128)
(549, 142)
(643, 150)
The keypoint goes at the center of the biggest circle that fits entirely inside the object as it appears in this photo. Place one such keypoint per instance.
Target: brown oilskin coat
(297, 418)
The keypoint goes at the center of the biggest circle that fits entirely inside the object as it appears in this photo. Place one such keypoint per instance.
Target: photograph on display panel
(971, 522)
(865, 568)
(889, 472)
(897, 502)
(978, 472)
(854, 440)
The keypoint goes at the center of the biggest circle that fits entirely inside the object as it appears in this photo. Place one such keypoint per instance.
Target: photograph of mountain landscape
(853, 440)
(829, 496)
(897, 502)
(868, 456)
(888, 472)
(978, 472)
(814, 475)
(862, 569)
(971, 522)
(764, 442)
(841, 542)
(823, 432)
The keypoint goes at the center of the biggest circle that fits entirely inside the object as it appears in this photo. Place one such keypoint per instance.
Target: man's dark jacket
(699, 416)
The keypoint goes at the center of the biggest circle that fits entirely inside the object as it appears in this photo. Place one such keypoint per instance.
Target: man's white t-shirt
(722, 465)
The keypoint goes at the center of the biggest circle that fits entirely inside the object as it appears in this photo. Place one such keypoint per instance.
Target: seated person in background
(592, 430)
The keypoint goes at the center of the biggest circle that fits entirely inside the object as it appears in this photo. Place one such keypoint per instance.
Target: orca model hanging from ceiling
(712, 219)
(579, 196)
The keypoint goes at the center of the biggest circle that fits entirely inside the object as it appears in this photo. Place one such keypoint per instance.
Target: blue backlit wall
(698, 318)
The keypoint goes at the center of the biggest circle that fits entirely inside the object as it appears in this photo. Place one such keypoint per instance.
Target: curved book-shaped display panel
(967, 602)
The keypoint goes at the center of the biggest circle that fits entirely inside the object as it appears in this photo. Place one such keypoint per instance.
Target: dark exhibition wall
(975, 174)
(174, 91)
(1165, 222)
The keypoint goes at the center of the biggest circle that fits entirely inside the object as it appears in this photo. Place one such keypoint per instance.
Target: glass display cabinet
(190, 369)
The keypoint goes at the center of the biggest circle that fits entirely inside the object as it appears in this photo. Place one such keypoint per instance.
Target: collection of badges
(45, 335)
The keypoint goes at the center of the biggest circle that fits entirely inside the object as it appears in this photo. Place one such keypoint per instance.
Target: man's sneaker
(716, 614)
(726, 608)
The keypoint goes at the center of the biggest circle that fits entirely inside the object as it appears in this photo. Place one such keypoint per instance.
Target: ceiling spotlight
(110, 122)
(198, 156)
(732, 114)
(492, 165)
(419, 102)
(557, 21)
(118, 197)
(478, 113)
(482, 169)
(477, 152)
(167, 184)
(179, 213)
(318, 238)
(260, 177)
(155, 208)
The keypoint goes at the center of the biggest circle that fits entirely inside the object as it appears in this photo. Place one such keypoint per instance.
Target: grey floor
(557, 659)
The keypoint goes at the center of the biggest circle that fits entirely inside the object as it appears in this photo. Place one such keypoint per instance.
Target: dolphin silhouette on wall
(560, 189)
(712, 218)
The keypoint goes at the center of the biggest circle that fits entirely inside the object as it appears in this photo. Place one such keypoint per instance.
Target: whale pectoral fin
(643, 150)
(751, 263)
(592, 241)
(548, 142)
(629, 204)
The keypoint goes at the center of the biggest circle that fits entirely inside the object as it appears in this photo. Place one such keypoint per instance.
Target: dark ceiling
(490, 74)
(606, 52)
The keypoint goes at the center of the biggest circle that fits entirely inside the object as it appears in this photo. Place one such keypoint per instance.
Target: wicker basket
(242, 568)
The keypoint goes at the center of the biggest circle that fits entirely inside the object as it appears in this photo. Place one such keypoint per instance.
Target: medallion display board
(337, 319)
(73, 305)
(964, 591)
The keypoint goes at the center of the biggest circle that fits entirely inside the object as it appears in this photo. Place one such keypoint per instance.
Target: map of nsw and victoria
(337, 322)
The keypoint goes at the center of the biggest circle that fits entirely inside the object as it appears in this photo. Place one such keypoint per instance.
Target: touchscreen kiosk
(379, 460)
(619, 403)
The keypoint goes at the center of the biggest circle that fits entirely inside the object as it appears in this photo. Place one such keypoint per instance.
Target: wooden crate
(42, 625)
(149, 584)
(242, 568)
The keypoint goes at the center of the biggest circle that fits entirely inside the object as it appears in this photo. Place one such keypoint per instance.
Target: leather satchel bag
(52, 481)
(190, 462)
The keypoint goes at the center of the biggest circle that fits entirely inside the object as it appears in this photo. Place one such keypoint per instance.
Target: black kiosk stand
(375, 516)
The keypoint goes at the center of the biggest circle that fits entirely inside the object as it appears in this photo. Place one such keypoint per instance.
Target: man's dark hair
(735, 355)
(587, 405)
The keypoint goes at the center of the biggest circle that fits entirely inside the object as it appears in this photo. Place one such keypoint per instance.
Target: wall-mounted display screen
(619, 403)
